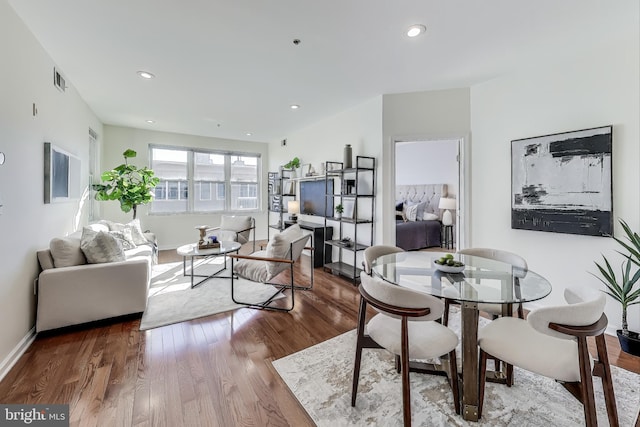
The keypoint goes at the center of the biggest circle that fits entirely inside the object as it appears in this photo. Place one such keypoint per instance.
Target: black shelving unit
(354, 188)
(281, 189)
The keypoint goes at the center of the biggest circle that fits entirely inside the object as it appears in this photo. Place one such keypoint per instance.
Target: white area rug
(171, 299)
(320, 378)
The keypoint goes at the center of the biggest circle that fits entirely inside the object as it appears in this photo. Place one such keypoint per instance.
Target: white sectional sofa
(74, 288)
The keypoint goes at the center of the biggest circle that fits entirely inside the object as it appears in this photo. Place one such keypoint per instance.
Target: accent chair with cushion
(235, 228)
(376, 251)
(395, 328)
(282, 252)
(553, 342)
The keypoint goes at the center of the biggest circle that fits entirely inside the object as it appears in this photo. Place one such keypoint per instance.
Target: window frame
(215, 184)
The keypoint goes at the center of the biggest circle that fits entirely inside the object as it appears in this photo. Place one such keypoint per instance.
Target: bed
(418, 218)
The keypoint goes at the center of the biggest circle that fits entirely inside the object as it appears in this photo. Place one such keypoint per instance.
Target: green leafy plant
(293, 163)
(130, 185)
(339, 208)
(623, 289)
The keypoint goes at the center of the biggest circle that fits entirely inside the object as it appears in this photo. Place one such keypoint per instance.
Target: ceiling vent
(59, 81)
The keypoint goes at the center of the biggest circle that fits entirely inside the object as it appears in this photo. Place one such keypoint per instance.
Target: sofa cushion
(66, 251)
(100, 247)
(45, 259)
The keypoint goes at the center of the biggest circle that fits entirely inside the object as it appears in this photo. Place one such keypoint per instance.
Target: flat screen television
(312, 198)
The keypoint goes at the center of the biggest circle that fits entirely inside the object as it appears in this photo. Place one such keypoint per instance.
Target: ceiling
(228, 68)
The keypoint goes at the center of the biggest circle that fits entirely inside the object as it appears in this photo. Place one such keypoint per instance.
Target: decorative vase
(348, 157)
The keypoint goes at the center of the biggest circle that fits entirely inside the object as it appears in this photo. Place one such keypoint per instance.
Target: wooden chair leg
(445, 315)
(482, 380)
(398, 364)
(406, 393)
(509, 375)
(607, 383)
(359, 344)
(586, 384)
(453, 377)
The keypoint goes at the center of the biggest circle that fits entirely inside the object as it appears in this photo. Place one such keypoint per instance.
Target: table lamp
(447, 204)
(293, 207)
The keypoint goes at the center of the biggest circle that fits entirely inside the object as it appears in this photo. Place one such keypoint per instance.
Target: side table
(447, 237)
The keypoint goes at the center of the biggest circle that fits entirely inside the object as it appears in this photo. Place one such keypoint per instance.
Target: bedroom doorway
(425, 164)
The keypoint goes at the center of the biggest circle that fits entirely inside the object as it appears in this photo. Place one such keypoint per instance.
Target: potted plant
(339, 209)
(293, 164)
(130, 185)
(623, 288)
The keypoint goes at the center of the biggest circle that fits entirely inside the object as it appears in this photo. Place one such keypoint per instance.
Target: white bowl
(447, 268)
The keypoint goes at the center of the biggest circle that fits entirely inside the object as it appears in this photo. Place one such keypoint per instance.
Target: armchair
(236, 228)
(282, 252)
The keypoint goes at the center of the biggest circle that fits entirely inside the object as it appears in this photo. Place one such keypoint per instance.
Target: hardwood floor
(213, 371)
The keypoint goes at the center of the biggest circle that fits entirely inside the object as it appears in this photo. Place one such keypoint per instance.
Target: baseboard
(16, 353)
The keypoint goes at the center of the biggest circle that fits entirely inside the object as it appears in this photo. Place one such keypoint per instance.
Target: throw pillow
(278, 247)
(66, 252)
(136, 231)
(125, 238)
(411, 212)
(100, 247)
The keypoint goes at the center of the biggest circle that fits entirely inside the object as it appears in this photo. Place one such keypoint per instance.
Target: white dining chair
(553, 342)
(395, 329)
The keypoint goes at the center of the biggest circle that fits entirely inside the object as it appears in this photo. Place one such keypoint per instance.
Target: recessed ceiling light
(145, 74)
(416, 30)
(151, 121)
(295, 106)
(249, 134)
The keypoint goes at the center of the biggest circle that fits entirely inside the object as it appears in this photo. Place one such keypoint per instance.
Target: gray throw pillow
(100, 247)
(66, 252)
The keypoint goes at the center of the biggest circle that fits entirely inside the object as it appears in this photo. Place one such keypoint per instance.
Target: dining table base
(470, 370)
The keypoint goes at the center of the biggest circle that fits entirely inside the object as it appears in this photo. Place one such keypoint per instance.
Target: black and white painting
(562, 182)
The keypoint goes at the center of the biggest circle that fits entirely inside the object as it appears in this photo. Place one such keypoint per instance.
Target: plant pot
(629, 344)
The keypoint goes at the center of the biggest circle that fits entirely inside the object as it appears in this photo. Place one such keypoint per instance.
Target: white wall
(595, 90)
(27, 224)
(441, 114)
(428, 162)
(179, 229)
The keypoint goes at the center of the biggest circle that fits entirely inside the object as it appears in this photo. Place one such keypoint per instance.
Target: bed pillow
(411, 212)
(429, 217)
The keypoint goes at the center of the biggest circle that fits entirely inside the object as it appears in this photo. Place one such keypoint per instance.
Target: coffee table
(191, 251)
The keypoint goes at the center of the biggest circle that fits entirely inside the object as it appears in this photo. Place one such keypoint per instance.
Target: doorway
(436, 161)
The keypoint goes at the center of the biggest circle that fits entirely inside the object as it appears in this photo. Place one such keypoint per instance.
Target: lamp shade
(447, 203)
(293, 207)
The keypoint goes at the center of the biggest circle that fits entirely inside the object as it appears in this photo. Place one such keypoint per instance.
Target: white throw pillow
(125, 238)
(134, 227)
(429, 217)
(66, 252)
(100, 247)
(411, 212)
(278, 247)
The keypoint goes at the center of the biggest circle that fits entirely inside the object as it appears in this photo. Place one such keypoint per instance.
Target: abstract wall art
(563, 182)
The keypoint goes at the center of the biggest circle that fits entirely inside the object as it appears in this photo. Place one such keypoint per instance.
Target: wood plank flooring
(213, 371)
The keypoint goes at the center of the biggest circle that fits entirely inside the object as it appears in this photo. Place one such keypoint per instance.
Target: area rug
(320, 378)
(171, 299)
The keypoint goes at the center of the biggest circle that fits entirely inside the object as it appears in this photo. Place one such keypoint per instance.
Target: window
(207, 175)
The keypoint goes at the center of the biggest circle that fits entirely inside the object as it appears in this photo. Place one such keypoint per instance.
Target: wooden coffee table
(191, 251)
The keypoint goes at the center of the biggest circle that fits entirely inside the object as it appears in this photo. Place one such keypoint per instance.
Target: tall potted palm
(623, 288)
(130, 185)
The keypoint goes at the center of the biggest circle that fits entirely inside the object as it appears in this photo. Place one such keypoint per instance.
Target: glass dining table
(482, 281)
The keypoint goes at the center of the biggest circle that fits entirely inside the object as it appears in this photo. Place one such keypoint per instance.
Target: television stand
(320, 258)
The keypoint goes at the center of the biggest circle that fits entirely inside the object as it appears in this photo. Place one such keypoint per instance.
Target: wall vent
(58, 80)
